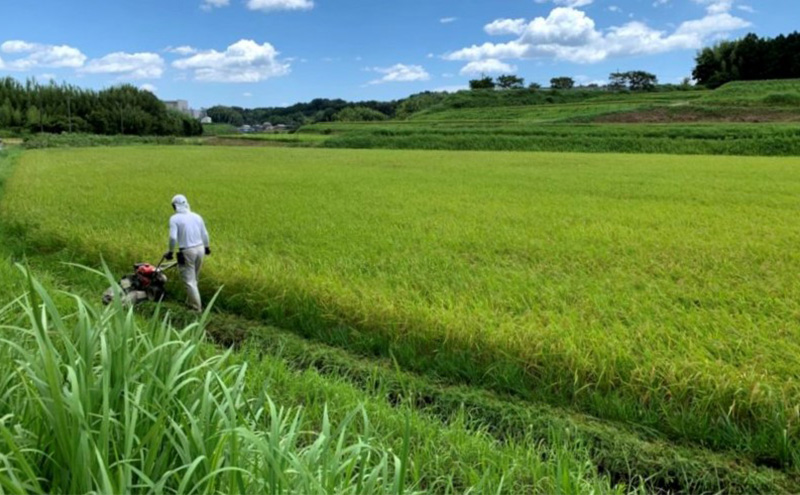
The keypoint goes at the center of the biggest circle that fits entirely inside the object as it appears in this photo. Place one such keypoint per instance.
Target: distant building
(179, 105)
(206, 120)
(245, 129)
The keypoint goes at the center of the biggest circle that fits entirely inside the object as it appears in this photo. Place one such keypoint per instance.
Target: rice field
(655, 290)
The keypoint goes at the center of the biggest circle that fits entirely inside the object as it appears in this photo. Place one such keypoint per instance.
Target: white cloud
(46, 77)
(273, 5)
(149, 87)
(746, 8)
(183, 50)
(401, 73)
(39, 55)
(247, 94)
(659, 3)
(571, 35)
(128, 65)
(716, 6)
(242, 62)
(500, 27)
(448, 20)
(212, 4)
(512, 49)
(614, 8)
(489, 66)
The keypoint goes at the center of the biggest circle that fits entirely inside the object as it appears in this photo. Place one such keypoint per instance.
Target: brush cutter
(146, 283)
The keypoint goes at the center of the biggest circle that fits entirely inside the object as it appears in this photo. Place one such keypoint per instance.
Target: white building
(179, 105)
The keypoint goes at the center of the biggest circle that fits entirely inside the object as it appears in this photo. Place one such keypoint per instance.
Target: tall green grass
(656, 290)
(94, 401)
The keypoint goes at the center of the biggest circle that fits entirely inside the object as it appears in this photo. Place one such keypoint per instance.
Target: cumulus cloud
(506, 26)
(273, 5)
(512, 49)
(401, 73)
(488, 66)
(183, 50)
(716, 6)
(571, 35)
(34, 55)
(149, 87)
(242, 62)
(128, 65)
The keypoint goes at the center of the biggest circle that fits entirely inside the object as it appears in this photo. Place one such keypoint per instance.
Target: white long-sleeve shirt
(187, 230)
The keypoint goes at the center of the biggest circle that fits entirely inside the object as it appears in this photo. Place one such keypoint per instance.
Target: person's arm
(204, 233)
(173, 234)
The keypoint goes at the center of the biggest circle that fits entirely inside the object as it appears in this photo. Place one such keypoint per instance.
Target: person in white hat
(187, 233)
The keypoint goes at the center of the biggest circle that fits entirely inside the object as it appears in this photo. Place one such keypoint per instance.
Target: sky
(255, 53)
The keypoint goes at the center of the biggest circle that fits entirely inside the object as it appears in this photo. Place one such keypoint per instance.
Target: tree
(640, 80)
(636, 80)
(482, 83)
(359, 114)
(534, 86)
(510, 81)
(562, 83)
(748, 59)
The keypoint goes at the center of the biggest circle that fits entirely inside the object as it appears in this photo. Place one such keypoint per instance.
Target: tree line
(618, 81)
(56, 108)
(317, 110)
(749, 59)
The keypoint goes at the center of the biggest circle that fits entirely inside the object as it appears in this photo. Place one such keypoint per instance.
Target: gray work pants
(190, 274)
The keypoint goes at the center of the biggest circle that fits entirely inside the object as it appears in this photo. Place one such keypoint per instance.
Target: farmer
(188, 233)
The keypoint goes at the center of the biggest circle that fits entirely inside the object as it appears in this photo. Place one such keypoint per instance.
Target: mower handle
(167, 266)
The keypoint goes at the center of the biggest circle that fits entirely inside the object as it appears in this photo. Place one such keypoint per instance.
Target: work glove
(168, 256)
(208, 251)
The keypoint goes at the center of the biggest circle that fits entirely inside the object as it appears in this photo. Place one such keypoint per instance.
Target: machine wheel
(156, 294)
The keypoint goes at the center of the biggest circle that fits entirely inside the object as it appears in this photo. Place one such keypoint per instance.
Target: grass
(218, 129)
(654, 290)
(119, 360)
(39, 141)
(95, 402)
(746, 119)
(279, 138)
(716, 139)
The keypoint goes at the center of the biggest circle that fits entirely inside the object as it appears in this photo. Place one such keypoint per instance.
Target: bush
(359, 114)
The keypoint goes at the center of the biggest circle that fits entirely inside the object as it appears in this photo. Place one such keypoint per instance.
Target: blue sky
(277, 52)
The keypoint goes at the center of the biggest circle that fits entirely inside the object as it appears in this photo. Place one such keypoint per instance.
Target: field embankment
(748, 119)
(654, 290)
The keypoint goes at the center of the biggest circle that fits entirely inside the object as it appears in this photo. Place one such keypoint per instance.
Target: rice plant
(653, 290)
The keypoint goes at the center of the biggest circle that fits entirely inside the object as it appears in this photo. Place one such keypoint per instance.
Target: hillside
(741, 118)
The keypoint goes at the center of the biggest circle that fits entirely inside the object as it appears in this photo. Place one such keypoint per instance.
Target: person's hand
(168, 256)
(208, 251)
